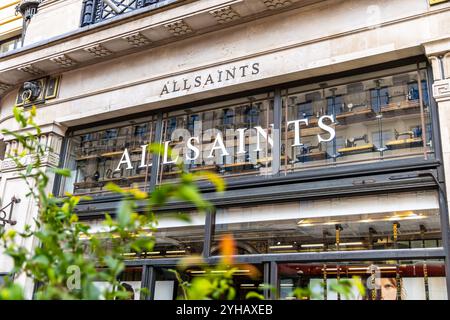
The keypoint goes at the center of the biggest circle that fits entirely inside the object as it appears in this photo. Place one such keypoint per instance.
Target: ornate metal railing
(94, 11)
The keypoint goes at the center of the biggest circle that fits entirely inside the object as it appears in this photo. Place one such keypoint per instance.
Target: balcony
(95, 11)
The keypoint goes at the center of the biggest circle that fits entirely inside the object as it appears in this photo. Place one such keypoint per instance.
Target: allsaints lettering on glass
(218, 143)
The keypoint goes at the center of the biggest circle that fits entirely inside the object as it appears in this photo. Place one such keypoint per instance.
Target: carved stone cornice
(276, 4)
(49, 159)
(178, 28)
(225, 14)
(4, 87)
(98, 51)
(137, 39)
(30, 69)
(64, 61)
(441, 90)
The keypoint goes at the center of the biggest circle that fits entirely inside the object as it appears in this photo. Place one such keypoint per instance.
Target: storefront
(328, 178)
(328, 120)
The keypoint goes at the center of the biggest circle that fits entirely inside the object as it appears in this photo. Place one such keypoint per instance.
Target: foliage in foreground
(70, 257)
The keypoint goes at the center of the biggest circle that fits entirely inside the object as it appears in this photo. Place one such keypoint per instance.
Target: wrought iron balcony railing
(94, 11)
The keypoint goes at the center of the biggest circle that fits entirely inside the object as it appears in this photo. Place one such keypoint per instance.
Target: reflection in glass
(380, 118)
(130, 279)
(385, 221)
(167, 286)
(382, 280)
(96, 157)
(230, 138)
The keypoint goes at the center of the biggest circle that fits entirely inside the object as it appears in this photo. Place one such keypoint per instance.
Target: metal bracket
(3, 214)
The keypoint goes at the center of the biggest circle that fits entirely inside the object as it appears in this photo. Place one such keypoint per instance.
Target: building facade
(328, 119)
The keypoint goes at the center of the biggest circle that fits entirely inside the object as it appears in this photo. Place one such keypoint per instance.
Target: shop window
(377, 222)
(413, 92)
(177, 235)
(245, 280)
(335, 105)
(193, 119)
(114, 154)
(380, 138)
(379, 97)
(359, 119)
(363, 121)
(382, 280)
(130, 279)
(232, 139)
(252, 115)
(305, 110)
(228, 116)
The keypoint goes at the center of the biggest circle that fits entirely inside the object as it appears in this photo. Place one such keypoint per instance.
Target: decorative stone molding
(51, 142)
(30, 69)
(436, 67)
(276, 4)
(137, 39)
(98, 50)
(178, 28)
(441, 90)
(8, 164)
(446, 65)
(48, 159)
(64, 61)
(225, 14)
(4, 87)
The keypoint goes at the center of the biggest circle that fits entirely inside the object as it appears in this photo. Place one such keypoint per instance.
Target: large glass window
(383, 221)
(233, 138)
(382, 280)
(175, 236)
(130, 279)
(245, 280)
(110, 154)
(384, 117)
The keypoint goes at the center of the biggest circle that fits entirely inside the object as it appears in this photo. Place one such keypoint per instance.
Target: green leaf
(41, 260)
(19, 116)
(217, 180)
(190, 193)
(254, 295)
(62, 172)
(114, 188)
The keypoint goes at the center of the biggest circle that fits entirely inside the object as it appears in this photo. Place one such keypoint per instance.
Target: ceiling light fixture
(312, 245)
(288, 246)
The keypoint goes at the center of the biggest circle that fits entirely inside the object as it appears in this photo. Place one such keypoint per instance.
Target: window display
(376, 222)
(94, 155)
(374, 119)
(230, 138)
(244, 280)
(130, 279)
(379, 116)
(382, 280)
(176, 235)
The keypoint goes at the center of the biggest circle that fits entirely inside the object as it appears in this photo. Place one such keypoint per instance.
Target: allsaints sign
(209, 79)
(217, 147)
